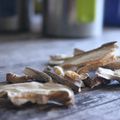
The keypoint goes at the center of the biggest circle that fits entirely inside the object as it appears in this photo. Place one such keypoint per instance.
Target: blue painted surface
(112, 13)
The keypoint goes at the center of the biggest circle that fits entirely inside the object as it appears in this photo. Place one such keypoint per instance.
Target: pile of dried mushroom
(66, 77)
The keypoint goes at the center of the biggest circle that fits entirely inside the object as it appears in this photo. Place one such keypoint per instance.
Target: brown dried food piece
(97, 81)
(14, 78)
(91, 66)
(58, 79)
(100, 55)
(76, 78)
(114, 65)
(39, 93)
(108, 74)
(37, 75)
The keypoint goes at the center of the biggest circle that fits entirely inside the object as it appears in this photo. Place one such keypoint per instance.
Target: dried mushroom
(39, 93)
(94, 58)
(58, 79)
(14, 78)
(108, 74)
(114, 65)
(91, 66)
(37, 75)
(70, 74)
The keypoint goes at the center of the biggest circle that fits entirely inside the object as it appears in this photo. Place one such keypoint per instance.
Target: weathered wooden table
(95, 104)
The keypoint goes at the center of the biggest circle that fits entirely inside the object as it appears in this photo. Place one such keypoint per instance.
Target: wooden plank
(107, 111)
(102, 103)
(85, 101)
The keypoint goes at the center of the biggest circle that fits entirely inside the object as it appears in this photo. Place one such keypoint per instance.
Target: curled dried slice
(114, 65)
(39, 93)
(96, 55)
(91, 66)
(72, 75)
(14, 78)
(58, 79)
(108, 74)
(37, 75)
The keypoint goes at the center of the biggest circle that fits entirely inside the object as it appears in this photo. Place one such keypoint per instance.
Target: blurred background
(59, 18)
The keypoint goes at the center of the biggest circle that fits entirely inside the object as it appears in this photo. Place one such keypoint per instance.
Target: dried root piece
(78, 51)
(97, 81)
(35, 92)
(58, 79)
(114, 65)
(58, 70)
(91, 66)
(37, 75)
(105, 52)
(70, 67)
(14, 78)
(108, 74)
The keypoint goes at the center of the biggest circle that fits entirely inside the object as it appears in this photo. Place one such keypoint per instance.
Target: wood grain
(102, 103)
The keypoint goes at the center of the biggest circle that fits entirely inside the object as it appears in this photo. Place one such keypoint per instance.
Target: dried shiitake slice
(39, 93)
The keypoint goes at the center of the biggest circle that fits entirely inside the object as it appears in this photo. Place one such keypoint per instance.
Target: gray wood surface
(102, 103)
